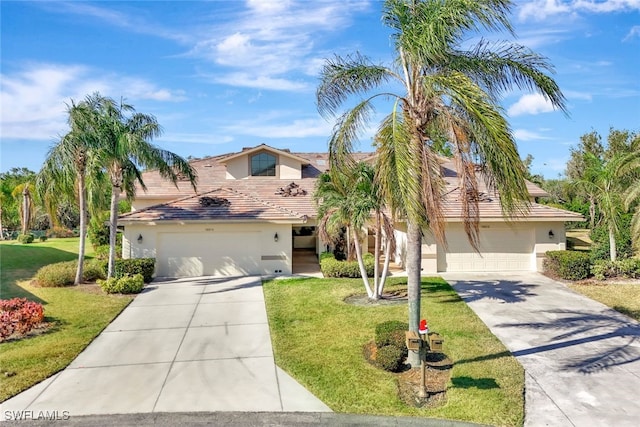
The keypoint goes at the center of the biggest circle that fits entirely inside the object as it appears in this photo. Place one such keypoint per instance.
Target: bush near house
(123, 285)
(331, 267)
(568, 265)
(133, 266)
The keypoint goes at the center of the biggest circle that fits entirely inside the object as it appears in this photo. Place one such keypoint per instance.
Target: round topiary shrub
(390, 358)
(25, 238)
(57, 275)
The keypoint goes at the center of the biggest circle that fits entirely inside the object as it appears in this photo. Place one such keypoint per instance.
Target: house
(254, 208)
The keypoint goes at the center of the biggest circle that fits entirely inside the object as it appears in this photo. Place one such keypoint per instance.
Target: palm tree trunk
(613, 253)
(113, 229)
(26, 209)
(592, 211)
(414, 258)
(83, 228)
(1, 229)
(385, 268)
(376, 267)
(363, 270)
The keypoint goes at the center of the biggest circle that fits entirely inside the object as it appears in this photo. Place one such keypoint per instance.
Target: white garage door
(208, 254)
(502, 248)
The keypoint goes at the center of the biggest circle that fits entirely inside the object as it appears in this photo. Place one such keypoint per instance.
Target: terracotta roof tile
(220, 204)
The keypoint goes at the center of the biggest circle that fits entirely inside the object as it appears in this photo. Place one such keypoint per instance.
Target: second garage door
(209, 254)
(502, 248)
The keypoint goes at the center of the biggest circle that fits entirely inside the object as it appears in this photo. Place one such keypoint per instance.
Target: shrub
(19, 315)
(25, 238)
(600, 237)
(123, 285)
(603, 269)
(64, 273)
(59, 232)
(390, 358)
(569, 265)
(133, 266)
(331, 267)
(57, 275)
(391, 332)
(43, 238)
(98, 230)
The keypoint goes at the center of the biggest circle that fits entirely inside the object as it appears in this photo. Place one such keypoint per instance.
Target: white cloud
(526, 135)
(33, 100)
(266, 128)
(271, 41)
(195, 138)
(634, 32)
(539, 10)
(572, 94)
(530, 104)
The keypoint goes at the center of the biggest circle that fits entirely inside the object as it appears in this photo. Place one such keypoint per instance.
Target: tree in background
(10, 205)
(445, 89)
(26, 208)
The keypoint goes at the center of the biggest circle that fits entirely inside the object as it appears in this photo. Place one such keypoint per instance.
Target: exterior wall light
(551, 234)
(275, 237)
(139, 238)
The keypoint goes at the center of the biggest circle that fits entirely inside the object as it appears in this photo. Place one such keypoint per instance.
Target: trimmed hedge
(123, 285)
(390, 358)
(391, 332)
(331, 267)
(569, 265)
(133, 266)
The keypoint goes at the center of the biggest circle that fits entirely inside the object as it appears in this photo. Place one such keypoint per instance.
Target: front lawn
(624, 298)
(77, 316)
(319, 340)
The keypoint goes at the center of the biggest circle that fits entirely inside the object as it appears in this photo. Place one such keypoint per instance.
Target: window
(263, 164)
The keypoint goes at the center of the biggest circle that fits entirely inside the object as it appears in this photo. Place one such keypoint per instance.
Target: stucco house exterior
(254, 209)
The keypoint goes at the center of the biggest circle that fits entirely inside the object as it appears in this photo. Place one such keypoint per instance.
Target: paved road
(582, 359)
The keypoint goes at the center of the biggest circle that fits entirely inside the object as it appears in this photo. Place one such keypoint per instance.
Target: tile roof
(221, 204)
(262, 198)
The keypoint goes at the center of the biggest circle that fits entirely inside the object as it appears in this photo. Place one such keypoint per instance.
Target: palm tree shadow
(507, 291)
(617, 341)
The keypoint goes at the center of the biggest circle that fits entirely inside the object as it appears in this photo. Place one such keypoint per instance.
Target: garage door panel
(215, 254)
(501, 249)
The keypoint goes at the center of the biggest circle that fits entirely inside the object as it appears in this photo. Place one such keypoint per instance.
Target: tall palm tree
(124, 147)
(67, 168)
(440, 88)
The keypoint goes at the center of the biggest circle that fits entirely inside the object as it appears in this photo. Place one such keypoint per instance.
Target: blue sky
(222, 75)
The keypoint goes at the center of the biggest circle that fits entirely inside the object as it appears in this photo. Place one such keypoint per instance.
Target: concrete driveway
(582, 359)
(196, 345)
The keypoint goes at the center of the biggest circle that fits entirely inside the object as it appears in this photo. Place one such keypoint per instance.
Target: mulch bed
(437, 374)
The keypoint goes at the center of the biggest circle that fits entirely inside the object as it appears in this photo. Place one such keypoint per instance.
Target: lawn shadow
(617, 339)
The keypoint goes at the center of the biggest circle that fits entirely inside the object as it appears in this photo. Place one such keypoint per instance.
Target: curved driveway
(582, 359)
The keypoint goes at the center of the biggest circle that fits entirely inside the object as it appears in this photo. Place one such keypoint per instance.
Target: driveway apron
(189, 345)
(582, 359)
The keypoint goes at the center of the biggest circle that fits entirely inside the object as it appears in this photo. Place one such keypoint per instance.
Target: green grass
(78, 316)
(624, 298)
(319, 339)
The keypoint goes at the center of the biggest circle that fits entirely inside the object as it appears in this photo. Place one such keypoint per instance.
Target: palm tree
(26, 208)
(349, 201)
(439, 88)
(607, 179)
(67, 168)
(123, 136)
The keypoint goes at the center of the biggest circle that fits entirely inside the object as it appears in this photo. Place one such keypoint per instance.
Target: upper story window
(263, 164)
